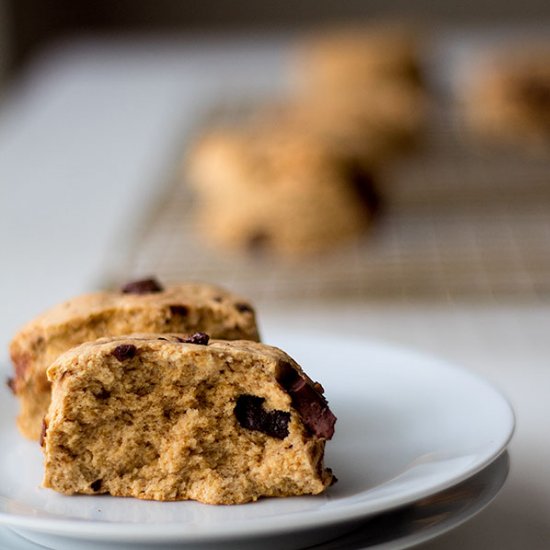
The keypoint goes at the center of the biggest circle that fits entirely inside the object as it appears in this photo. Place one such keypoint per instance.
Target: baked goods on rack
(507, 101)
(369, 75)
(276, 190)
(354, 55)
(300, 175)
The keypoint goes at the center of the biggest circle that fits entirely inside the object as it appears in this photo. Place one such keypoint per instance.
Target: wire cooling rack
(460, 222)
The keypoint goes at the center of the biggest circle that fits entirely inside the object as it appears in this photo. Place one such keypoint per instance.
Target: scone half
(166, 417)
(141, 306)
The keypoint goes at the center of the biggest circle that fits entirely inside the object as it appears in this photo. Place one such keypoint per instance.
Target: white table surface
(85, 138)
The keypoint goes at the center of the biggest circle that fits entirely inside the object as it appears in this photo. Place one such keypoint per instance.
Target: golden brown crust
(291, 193)
(508, 101)
(151, 417)
(365, 77)
(356, 55)
(179, 308)
(302, 177)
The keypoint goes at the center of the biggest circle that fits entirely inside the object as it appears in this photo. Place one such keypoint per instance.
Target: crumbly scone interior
(179, 308)
(162, 425)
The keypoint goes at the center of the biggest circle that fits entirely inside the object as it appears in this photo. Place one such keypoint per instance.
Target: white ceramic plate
(395, 530)
(427, 518)
(408, 427)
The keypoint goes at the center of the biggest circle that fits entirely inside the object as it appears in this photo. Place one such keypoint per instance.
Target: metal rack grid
(460, 222)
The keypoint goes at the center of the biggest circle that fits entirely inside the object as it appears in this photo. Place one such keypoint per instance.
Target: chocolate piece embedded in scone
(220, 422)
(141, 306)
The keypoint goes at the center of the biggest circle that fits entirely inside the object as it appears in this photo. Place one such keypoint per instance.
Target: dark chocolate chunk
(10, 382)
(308, 401)
(258, 242)
(199, 338)
(96, 485)
(43, 431)
(251, 415)
(413, 72)
(313, 409)
(244, 308)
(318, 387)
(145, 286)
(276, 424)
(535, 92)
(161, 338)
(124, 351)
(218, 299)
(180, 310)
(364, 186)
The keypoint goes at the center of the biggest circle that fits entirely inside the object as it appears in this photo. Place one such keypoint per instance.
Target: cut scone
(165, 417)
(141, 306)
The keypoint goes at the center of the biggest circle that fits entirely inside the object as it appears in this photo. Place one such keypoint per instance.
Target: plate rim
(126, 531)
(496, 473)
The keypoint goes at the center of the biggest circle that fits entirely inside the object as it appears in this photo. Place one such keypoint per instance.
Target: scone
(289, 193)
(142, 306)
(353, 56)
(166, 417)
(367, 76)
(385, 119)
(509, 100)
(356, 135)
